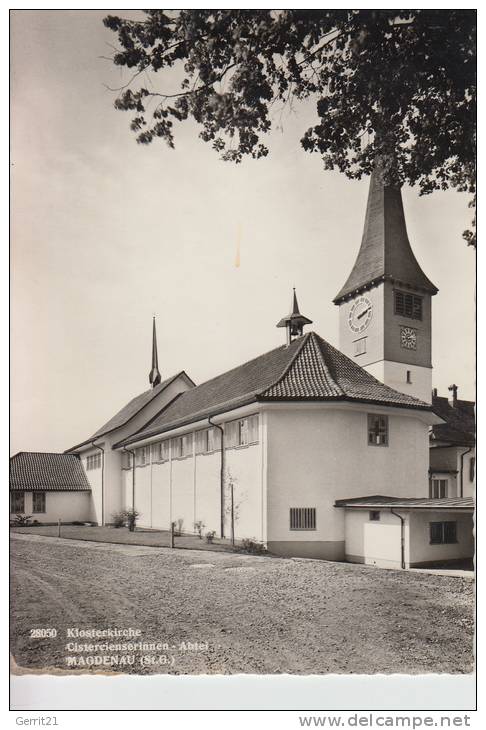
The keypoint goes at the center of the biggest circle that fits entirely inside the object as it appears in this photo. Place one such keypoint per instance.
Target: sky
(106, 233)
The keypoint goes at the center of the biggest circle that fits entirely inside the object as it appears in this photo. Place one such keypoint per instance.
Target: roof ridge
(331, 370)
(44, 453)
(241, 365)
(289, 364)
(156, 391)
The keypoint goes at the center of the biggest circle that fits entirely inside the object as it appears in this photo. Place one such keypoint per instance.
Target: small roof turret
(295, 321)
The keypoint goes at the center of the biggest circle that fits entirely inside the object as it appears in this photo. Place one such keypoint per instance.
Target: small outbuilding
(393, 532)
(49, 487)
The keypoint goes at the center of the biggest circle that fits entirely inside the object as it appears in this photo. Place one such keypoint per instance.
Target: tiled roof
(460, 423)
(408, 502)
(130, 410)
(385, 251)
(308, 369)
(232, 389)
(36, 471)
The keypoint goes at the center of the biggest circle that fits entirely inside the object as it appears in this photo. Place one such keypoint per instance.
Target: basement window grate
(302, 518)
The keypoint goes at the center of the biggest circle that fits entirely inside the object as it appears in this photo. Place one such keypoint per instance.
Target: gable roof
(125, 414)
(307, 369)
(385, 251)
(39, 471)
(460, 422)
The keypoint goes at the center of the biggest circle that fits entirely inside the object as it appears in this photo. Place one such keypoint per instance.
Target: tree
(399, 85)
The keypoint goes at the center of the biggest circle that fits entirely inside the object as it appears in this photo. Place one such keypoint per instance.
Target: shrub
(130, 515)
(119, 519)
(199, 527)
(210, 536)
(21, 520)
(253, 547)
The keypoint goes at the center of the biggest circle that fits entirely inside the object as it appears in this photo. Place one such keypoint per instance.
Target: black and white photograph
(243, 348)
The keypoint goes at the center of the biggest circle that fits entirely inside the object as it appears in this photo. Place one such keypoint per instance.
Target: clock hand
(362, 313)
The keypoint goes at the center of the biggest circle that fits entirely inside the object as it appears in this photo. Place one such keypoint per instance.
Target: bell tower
(294, 322)
(385, 305)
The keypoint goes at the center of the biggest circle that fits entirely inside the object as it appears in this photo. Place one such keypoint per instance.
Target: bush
(253, 547)
(210, 536)
(21, 520)
(119, 519)
(130, 515)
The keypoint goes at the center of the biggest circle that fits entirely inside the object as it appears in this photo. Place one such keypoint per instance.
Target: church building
(317, 452)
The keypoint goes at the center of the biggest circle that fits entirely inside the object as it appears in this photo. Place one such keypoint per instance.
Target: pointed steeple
(295, 321)
(154, 375)
(385, 252)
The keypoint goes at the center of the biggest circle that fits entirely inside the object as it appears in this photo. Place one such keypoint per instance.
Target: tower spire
(295, 321)
(154, 375)
(385, 252)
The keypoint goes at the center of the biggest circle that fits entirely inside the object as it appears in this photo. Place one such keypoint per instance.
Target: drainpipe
(402, 537)
(102, 481)
(221, 476)
(129, 451)
(462, 469)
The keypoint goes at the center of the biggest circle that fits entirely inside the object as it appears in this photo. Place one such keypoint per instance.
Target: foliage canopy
(395, 84)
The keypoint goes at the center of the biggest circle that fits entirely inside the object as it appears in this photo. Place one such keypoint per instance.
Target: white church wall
(208, 490)
(161, 495)
(113, 499)
(309, 465)
(183, 492)
(127, 488)
(245, 465)
(143, 500)
(95, 479)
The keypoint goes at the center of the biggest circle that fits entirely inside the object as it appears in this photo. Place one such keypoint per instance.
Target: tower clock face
(408, 338)
(360, 314)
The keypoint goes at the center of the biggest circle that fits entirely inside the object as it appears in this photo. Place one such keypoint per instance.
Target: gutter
(402, 537)
(221, 474)
(102, 481)
(468, 451)
(129, 451)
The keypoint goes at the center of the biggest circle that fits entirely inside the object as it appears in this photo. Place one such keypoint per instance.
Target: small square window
(377, 430)
(443, 533)
(360, 346)
(375, 516)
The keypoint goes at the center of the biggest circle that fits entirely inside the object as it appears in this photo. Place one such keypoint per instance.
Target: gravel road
(224, 613)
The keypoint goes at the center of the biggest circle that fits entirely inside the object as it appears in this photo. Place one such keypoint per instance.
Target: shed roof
(450, 503)
(309, 369)
(39, 471)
